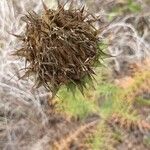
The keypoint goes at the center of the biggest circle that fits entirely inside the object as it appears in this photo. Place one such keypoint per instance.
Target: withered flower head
(60, 47)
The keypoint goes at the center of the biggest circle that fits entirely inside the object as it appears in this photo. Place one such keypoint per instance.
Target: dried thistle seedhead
(60, 47)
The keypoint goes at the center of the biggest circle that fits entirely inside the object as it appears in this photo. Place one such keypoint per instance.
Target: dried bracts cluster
(60, 47)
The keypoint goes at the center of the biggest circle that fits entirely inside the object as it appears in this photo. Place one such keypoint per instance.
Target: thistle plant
(60, 47)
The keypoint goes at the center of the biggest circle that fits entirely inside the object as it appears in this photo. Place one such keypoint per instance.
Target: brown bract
(60, 47)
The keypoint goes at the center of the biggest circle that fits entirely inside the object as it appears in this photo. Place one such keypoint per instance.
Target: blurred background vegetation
(114, 111)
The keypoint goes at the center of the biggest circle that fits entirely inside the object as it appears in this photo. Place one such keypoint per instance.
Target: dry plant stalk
(60, 47)
(128, 124)
(64, 143)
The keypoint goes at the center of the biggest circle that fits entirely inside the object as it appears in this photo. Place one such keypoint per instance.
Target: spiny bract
(60, 47)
